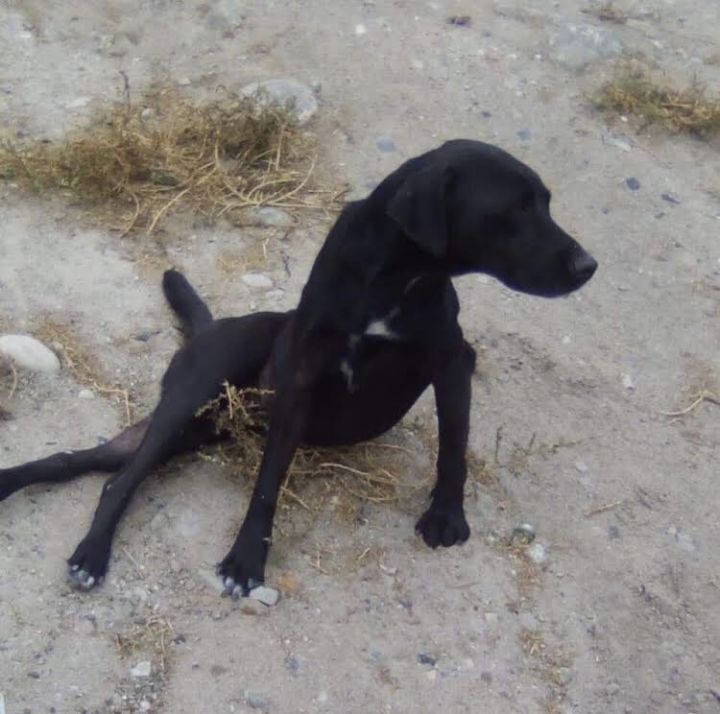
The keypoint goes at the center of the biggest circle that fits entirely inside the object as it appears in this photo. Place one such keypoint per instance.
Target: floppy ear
(419, 208)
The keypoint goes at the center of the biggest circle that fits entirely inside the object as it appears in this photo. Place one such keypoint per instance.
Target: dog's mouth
(545, 283)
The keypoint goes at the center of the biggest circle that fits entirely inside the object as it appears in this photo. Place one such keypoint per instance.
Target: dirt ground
(622, 612)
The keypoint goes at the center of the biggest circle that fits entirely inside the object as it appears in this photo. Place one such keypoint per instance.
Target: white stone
(272, 217)
(297, 97)
(29, 353)
(86, 394)
(141, 669)
(257, 280)
(627, 382)
(265, 595)
(537, 553)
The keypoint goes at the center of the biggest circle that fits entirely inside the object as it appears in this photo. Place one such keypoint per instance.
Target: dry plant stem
(702, 396)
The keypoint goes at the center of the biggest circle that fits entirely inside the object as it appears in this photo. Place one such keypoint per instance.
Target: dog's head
(473, 207)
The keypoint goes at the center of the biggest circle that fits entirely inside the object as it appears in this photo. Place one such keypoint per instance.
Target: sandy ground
(623, 616)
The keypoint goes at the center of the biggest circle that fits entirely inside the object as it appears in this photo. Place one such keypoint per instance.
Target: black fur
(376, 325)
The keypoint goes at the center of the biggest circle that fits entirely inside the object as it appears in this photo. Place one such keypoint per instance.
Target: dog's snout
(583, 265)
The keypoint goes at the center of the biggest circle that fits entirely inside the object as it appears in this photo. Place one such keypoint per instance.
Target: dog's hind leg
(234, 350)
(67, 465)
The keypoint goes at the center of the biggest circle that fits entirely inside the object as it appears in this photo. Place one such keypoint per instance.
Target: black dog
(376, 325)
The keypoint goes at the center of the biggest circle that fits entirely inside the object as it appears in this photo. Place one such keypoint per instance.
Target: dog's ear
(419, 208)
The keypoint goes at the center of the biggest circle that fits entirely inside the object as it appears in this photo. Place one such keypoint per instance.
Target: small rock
(627, 382)
(613, 532)
(523, 534)
(619, 142)
(288, 93)
(255, 700)
(577, 46)
(291, 664)
(147, 113)
(537, 553)
(271, 217)
(141, 670)
(632, 183)
(459, 20)
(28, 353)
(78, 103)
(265, 595)
(524, 134)
(428, 659)
(581, 466)
(255, 608)
(491, 618)
(385, 144)
(360, 30)
(145, 705)
(670, 198)
(486, 677)
(184, 81)
(686, 542)
(257, 280)
(86, 394)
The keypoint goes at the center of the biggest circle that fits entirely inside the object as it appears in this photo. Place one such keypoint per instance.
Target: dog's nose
(583, 265)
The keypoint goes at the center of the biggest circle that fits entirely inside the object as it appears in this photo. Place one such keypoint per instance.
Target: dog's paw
(443, 526)
(88, 564)
(241, 571)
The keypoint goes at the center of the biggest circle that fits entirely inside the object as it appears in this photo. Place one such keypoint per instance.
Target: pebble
(257, 280)
(632, 183)
(524, 134)
(577, 46)
(360, 30)
(299, 98)
(670, 198)
(613, 532)
(291, 664)
(685, 542)
(141, 669)
(537, 553)
(523, 534)
(255, 700)
(271, 217)
(265, 595)
(619, 142)
(491, 618)
(581, 466)
(28, 353)
(86, 394)
(78, 103)
(627, 382)
(385, 144)
(248, 606)
(425, 658)
(184, 81)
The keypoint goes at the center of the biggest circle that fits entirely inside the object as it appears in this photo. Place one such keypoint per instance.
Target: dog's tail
(194, 314)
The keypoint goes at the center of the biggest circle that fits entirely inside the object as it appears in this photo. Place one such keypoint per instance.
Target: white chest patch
(380, 328)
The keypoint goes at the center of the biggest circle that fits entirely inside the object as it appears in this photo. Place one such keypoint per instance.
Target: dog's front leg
(244, 566)
(452, 367)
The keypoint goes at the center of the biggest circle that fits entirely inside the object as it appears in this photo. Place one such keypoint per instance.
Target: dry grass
(151, 637)
(633, 92)
(8, 385)
(552, 666)
(143, 161)
(607, 12)
(367, 472)
(76, 359)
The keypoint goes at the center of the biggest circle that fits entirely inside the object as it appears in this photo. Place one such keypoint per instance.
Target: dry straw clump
(167, 153)
(370, 471)
(633, 92)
